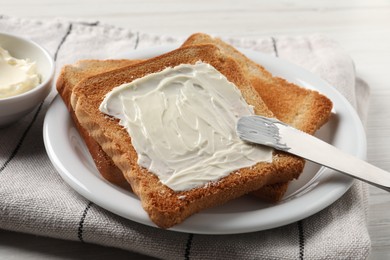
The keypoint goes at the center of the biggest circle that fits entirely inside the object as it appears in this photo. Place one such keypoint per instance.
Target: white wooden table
(361, 27)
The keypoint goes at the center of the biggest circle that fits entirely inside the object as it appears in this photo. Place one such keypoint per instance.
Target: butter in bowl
(26, 74)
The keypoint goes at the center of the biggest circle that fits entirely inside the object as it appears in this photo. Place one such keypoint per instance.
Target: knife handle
(318, 151)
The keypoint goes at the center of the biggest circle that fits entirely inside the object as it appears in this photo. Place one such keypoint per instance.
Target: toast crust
(70, 76)
(164, 206)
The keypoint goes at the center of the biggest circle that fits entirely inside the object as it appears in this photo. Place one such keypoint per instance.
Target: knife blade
(274, 133)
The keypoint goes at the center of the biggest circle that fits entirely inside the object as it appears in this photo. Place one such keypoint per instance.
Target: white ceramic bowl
(14, 108)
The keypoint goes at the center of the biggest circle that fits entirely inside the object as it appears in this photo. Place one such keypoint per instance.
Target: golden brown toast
(165, 206)
(72, 74)
(301, 108)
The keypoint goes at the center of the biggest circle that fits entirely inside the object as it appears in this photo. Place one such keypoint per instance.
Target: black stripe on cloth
(63, 40)
(136, 41)
(89, 24)
(19, 144)
(80, 230)
(188, 246)
(301, 240)
(274, 45)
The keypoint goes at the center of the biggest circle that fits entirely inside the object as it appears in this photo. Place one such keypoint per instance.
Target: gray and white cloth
(34, 199)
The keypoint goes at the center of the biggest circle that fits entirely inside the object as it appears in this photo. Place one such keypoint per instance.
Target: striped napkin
(35, 200)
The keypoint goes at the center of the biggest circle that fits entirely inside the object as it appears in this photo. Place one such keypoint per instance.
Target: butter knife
(274, 133)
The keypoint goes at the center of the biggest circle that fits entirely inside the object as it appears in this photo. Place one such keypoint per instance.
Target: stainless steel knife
(274, 133)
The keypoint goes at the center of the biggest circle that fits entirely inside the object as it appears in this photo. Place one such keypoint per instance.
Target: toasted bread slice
(71, 75)
(165, 206)
(301, 108)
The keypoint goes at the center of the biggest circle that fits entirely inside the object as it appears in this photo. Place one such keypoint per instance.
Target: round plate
(317, 188)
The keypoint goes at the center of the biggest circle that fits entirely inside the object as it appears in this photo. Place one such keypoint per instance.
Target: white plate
(317, 187)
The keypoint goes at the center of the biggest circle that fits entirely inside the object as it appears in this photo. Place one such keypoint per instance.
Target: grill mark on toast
(301, 240)
(81, 223)
(20, 143)
(188, 247)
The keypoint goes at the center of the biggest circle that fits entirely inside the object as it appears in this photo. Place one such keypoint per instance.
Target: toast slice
(71, 75)
(164, 206)
(301, 108)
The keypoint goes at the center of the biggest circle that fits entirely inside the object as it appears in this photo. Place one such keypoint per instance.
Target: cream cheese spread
(182, 123)
(16, 75)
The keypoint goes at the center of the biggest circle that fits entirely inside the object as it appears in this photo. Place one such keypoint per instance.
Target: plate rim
(233, 221)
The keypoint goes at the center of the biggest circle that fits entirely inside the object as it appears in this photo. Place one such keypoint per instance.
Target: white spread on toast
(182, 123)
(16, 75)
